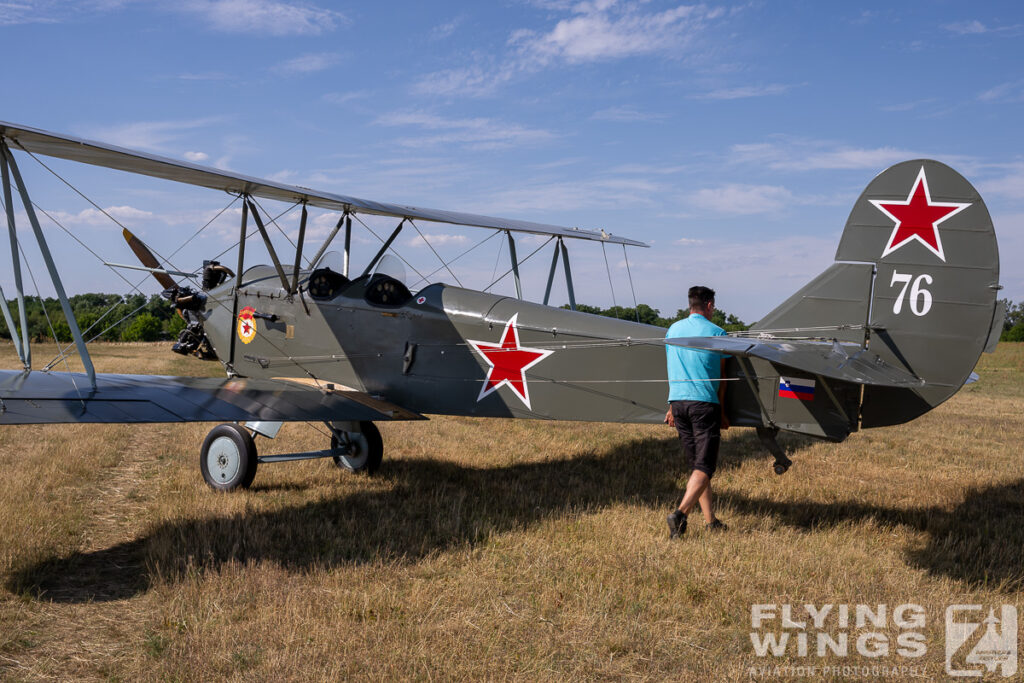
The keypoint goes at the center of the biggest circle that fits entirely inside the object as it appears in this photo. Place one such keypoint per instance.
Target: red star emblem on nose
(918, 218)
(509, 362)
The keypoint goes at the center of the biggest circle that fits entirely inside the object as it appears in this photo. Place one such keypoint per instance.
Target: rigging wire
(42, 304)
(256, 201)
(392, 248)
(497, 260)
(521, 262)
(86, 198)
(478, 244)
(443, 264)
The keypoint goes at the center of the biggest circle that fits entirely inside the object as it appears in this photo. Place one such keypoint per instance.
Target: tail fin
(916, 279)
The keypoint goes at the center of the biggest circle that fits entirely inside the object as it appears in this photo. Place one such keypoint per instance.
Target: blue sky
(732, 137)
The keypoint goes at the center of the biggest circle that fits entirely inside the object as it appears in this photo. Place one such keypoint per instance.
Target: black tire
(228, 458)
(371, 450)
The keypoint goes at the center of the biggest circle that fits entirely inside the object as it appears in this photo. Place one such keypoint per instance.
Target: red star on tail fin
(918, 218)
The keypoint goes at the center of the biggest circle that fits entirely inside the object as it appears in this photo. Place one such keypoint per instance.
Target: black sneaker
(716, 525)
(676, 524)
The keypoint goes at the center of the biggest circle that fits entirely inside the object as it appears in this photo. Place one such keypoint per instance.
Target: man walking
(696, 408)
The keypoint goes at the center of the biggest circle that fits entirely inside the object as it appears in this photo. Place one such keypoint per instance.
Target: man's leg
(706, 425)
(706, 504)
(696, 487)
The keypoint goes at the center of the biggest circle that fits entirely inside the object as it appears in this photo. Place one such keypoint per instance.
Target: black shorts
(699, 424)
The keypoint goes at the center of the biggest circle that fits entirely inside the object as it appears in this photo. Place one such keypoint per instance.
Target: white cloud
(597, 30)
(909, 106)
(808, 155)
(345, 97)
(197, 156)
(267, 17)
(1012, 91)
(1010, 185)
(436, 240)
(607, 29)
(975, 28)
(476, 80)
(307, 64)
(543, 197)
(966, 27)
(15, 13)
(475, 133)
(445, 30)
(203, 76)
(626, 113)
(94, 217)
(151, 135)
(743, 199)
(746, 91)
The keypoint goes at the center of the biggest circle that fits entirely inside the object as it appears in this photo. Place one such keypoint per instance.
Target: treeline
(112, 317)
(1013, 326)
(652, 316)
(106, 317)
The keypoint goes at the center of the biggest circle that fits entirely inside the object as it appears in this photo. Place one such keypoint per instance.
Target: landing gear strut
(767, 436)
(228, 459)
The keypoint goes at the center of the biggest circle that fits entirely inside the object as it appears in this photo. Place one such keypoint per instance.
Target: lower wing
(56, 397)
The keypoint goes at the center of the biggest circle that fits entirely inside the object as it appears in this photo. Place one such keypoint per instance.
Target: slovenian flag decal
(800, 388)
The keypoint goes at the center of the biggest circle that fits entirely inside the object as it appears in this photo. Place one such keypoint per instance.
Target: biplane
(890, 330)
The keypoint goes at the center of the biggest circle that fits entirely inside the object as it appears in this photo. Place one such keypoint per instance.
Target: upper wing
(101, 154)
(51, 397)
(846, 362)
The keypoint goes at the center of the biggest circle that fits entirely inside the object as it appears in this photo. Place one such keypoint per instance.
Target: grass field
(492, 549)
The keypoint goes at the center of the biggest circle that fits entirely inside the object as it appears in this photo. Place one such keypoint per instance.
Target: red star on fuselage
(918, 218)
(509, 362)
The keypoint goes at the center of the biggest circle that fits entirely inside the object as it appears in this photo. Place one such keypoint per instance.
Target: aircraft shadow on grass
(431, 506)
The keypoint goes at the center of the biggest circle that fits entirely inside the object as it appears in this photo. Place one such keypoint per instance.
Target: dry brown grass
(487, 549)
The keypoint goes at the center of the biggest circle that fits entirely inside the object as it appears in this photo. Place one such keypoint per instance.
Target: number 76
(920, 298)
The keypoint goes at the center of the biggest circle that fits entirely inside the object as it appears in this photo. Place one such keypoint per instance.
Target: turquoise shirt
(686, 365)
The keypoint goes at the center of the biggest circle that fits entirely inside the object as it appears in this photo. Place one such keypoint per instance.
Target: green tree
(145, 327)
(1014, 334)
(652, 316)
(174, 325)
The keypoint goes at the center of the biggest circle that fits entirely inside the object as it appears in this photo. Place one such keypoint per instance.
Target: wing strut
(384, 248)
(238, 284)
(44, 249)
(515, 263)
(568, 275)
(22, 346)
(298, 253)
(551, 272)
(270, 246)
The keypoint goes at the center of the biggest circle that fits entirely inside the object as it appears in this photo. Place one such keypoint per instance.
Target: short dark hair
(701, 296)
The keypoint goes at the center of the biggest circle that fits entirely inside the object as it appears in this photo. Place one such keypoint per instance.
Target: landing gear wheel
(367, 448)
(228, 458)
(780, 468)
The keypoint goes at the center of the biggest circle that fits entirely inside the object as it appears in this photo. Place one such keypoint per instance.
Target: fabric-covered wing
(845, 362)
(101, 154)
(54, 397)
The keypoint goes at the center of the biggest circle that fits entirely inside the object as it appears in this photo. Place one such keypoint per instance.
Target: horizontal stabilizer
(61, 397)
(844, 362)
